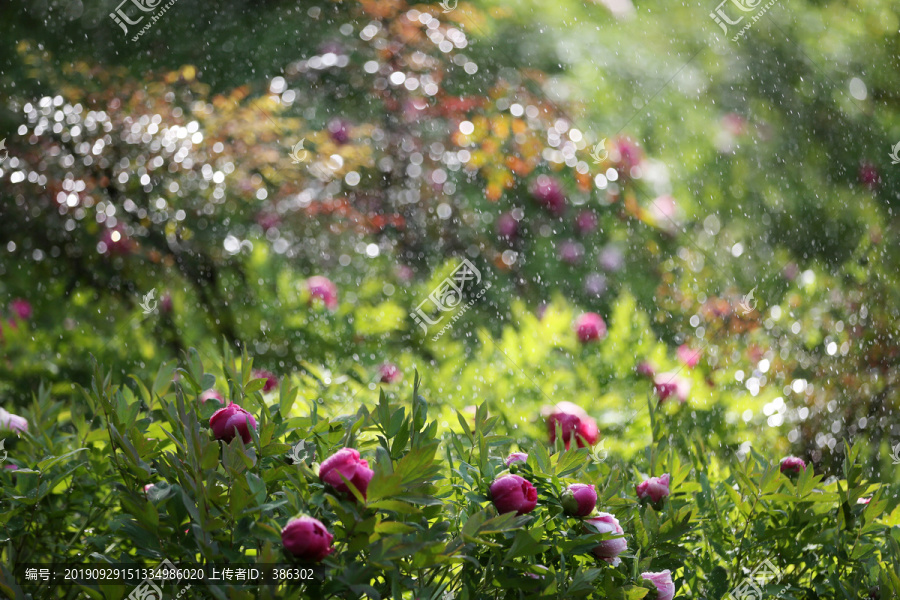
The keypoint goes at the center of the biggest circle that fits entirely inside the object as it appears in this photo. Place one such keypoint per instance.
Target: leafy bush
(425, 525)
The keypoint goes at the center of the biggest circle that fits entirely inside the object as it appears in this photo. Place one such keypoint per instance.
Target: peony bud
(11, 422)
(687, 356)
(590, 327)
(322, 288)
(271, 379)
(665, 587)
(654, 489)
(516, 457)
(608, 550)
(307, 539)
(586, 222)
(346, 462)
(212, 394)
(645, 369)
(512, 493)
(339, 130)
(574, 423)
(21, 308)
(548, 192)
(669, 384)
(389, 373)
(507, 226)
(230, 421)
(791, 465)
(579, 499)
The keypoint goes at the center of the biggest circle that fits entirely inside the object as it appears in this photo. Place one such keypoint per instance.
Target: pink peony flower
(11, 422)
(608, 550)
(339, 130)
(654, 489)
(321, 288)
(571, 252)
(611, 258)
(669, 384)
(307, 539)
(645, 369)
(512, 493)
(507, 226)
(516, 457)
(548, 192)
(21, 308)
(389, 373)
(269, 376)
(346, 462)
(868, 175)
(586, 222)
(212, 394)
(230, 421)
(590, 327)
(687, 356)
(574, 423)
(791, 465)
(148, 487)
(627, 153)
(665, 587)
(579, 499)
(863, 500)
(165, 303)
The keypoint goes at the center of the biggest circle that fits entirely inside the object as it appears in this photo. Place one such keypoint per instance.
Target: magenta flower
(348, 463)
(571, 252)
(269, 376)
(654, 489)
(645, 369)
(11, 422)
(687, 356)
(212, 394)
(512, 493)
(507, 226)
(670, 385)
(307, 539)
(321, 288)
(579, 499)
(665, 587)
(574, 422)
(21, 308)
(389, 373)
(548, 192)
(339, 130)
(590, 327)
(791, 465)
(586, 222)
(608, 550)
(516, 457)
(230, 421)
